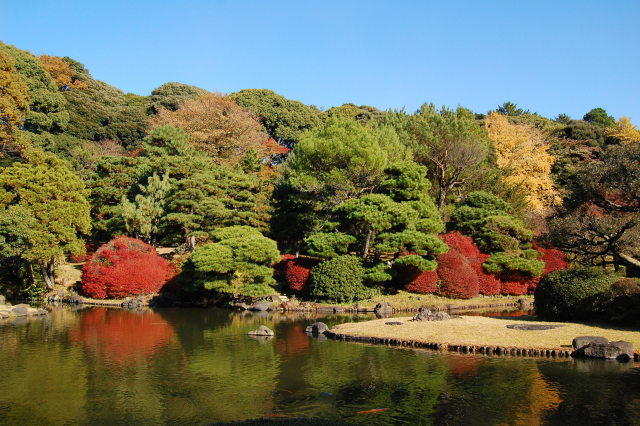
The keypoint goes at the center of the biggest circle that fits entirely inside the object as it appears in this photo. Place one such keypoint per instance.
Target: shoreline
(478, 335)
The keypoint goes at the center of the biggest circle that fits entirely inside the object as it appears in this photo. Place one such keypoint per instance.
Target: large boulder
(426, 315)
(317, 328)
(21, 310)
(263, 330)
(2, 299)
(619, 350)
(582, 341)
(384, 307)
(262, 305)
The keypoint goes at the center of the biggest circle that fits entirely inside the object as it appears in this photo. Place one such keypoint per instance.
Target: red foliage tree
(457, 277)
(124, 267)
(488, 284)
(516, 285)
(297, 272)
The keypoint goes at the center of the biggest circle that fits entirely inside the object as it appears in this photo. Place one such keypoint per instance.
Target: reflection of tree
(121, 336)
(599, 392)
(45, 383)
(366, 377)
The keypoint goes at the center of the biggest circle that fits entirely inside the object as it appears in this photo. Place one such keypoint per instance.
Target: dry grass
(69, 273)
(484, 331)
(406, 300)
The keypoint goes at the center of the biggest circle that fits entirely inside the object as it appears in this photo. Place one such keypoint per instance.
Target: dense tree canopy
(170, 95)
(14, 101)
(284, 119)
(44, 211)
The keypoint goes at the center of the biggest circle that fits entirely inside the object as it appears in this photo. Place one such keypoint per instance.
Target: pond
(198, 366)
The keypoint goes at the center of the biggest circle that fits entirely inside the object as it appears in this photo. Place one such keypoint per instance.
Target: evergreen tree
(44, 211)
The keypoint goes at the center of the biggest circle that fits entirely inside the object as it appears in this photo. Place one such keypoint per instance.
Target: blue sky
(561, 56)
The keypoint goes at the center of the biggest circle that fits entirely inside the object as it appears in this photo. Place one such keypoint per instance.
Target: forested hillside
(342, 204)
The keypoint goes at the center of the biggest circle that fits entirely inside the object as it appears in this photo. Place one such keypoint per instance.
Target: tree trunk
(632, 264)
(48, 273)
(367, 243)
(442, 196)
(192, 243)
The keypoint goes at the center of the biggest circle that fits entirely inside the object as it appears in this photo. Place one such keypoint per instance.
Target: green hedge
(571, 294)
(339, 280)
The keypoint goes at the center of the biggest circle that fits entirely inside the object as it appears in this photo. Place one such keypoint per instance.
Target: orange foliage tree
(218, 126)
(61, 72)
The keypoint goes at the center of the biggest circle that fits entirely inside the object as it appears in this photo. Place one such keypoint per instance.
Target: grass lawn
(404, 299)
(485, 331)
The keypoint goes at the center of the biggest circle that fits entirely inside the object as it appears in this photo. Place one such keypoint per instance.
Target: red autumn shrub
(553, 258)
(124, 267)
(488, 284)
(516, 285)
(457, 278)
(424, 282)
(463, 244)
(297, 272)
(279, 267)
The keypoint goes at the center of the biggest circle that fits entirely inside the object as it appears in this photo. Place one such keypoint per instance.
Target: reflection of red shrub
(296, 273)
(124, 267)
(295, 342)
(457, 277)
(461, 365)
(424, 282)
(121, 335)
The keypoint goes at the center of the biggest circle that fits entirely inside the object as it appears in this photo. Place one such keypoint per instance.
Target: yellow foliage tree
(217, 125)
(522, 154)
(625, 131)
(61, 72)
(14, 102)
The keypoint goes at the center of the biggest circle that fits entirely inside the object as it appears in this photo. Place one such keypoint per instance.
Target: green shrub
(339, 280)
(622, 302)
(570, 294)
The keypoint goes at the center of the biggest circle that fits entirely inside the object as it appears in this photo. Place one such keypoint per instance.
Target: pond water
(198, 366)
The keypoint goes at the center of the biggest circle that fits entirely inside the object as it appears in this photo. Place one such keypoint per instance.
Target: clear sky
(561, 56)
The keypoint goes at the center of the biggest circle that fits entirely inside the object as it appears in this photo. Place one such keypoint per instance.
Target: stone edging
(467, 349)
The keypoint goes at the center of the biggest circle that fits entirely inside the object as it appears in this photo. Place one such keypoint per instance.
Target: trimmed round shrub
(463, 244)
(458, 280)
(425, 282)
(570, 294)
(124, 267)
(338, 280)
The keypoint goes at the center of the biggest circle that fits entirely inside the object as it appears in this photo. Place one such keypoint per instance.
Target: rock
(533, 326)
(242, 306)
(2, 299)
(20, 310)
(393, 323)
(383, 307)
(262, 305)
(262, 331)
(582, 341)
(317, 328)
(620, 350)
(426, 315)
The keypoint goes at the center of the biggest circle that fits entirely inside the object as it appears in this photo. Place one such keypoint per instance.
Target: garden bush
(124, 267)
(570, 294)
(622, 302)
(339, 280)
(297, 273)
(457, 278)
(424, 282)
(239, 262)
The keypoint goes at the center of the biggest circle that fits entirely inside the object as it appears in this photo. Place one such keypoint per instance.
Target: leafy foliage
(284, 119)
(216, 125)
(238, 262)
(124, 267)
(570, 294)
(339, 280)
(457, 278)
(46, 209)
(13, 106)
(599, 117)
(521, 151)
(169, 96)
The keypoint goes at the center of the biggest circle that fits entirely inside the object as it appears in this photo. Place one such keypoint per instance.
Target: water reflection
(196, 366)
